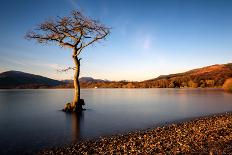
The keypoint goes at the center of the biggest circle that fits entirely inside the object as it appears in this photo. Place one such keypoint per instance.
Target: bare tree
(76, 32)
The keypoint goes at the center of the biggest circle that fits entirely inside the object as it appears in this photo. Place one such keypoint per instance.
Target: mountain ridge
(19, 79)
(209, 76)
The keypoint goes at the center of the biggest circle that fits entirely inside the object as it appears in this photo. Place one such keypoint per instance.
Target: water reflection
(110, 111)
(76, 120)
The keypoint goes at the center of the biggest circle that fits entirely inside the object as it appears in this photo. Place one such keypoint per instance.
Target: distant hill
(84, 82)
(86, 79)
(17, 79)
(90, 79)
(206, 72)
(210, 76)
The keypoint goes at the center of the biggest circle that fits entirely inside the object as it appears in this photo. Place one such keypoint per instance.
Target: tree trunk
(76, 98)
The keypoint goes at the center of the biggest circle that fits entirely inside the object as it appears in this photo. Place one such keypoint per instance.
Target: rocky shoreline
(207, 135)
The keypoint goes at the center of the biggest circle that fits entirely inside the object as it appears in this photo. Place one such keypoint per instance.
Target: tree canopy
(76, 31)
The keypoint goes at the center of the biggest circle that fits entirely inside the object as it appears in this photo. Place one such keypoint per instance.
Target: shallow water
(31, 120)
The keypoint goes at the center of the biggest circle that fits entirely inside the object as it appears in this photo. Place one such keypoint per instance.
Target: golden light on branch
(75, 31)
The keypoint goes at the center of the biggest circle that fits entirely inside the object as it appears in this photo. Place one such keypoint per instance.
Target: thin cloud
(144, 40)
(14, 61)
(147, 43)
(52, 66)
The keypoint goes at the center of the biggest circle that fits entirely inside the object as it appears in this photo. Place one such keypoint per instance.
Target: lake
(31, 120)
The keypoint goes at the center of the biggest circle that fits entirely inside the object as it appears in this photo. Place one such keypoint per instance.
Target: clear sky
(148, 38)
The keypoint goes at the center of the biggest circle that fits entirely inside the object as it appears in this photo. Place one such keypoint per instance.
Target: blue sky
(148, 38)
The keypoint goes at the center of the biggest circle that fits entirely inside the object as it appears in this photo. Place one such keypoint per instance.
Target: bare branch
(75, 31)
(66, 69)
(96, 39)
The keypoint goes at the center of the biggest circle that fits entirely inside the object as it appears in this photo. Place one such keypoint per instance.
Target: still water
(31, 120)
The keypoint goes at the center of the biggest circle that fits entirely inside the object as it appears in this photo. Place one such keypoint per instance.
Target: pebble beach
(206, 135)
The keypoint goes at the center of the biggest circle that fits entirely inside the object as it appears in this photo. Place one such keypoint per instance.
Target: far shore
(203, 135)
(219, 88)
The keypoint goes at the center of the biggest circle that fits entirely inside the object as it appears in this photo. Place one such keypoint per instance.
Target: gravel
(207, 135)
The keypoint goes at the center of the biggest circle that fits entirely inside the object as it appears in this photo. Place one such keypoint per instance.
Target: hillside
(90, 79)
(17, 79)
(210, 76)
(85, 82)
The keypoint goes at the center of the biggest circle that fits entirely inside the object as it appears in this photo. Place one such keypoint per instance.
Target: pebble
(207, 135)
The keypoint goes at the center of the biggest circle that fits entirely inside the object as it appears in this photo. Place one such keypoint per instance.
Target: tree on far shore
(75, 32)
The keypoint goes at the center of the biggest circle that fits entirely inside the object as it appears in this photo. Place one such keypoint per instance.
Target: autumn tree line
(211, 76)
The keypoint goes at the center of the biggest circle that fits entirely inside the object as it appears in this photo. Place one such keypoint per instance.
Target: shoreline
(207, 134)
(216, 88)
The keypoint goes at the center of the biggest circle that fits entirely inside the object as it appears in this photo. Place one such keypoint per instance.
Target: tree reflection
(76, 120)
